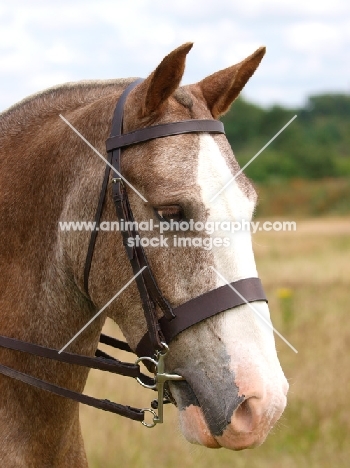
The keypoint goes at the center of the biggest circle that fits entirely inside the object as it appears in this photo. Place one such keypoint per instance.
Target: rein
(174, 320)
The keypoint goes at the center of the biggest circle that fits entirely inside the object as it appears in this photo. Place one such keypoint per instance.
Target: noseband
(153, 346)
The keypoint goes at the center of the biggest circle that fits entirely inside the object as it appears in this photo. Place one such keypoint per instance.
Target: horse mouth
(184, 395)
(193, 423)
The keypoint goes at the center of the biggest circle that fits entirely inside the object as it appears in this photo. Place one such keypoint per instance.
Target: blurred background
(304, 175)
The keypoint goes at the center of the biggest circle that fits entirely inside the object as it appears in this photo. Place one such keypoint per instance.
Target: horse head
(234, 389)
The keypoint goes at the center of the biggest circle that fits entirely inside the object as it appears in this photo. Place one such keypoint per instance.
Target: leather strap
(146, 283)
(106, 405)
(116, 124)
(138, 260)
(205, 306)
(117, 120)
(93, 236)
(109, 365)
(114, 343)
(164, 130)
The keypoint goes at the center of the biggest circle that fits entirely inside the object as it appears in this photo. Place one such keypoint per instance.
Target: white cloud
(315, 37)
(46, 80)
(307, 42)
(61, 54)
(292, 8)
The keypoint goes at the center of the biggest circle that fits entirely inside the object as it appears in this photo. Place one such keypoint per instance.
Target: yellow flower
(284, 293)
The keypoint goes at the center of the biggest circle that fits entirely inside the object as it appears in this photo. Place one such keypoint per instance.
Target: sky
(44, 43)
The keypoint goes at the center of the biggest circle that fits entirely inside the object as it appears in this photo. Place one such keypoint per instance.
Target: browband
(164, 130)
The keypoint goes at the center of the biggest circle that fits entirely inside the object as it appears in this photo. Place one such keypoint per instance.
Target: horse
(234, 389)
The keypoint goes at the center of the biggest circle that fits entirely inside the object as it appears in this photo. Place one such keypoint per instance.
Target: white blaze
(249, 340)
(237, 261)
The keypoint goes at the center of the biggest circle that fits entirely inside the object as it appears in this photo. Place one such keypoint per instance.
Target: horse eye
(169, 213)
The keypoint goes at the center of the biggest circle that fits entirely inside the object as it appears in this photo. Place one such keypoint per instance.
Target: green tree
(315, 145)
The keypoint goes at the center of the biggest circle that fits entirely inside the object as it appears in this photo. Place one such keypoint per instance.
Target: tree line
(315, 145)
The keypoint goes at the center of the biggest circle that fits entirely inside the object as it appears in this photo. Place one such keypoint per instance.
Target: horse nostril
(243, 418)
(255, 412)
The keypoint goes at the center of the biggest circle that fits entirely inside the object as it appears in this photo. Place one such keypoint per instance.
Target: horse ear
(164, 80)
(222, 88)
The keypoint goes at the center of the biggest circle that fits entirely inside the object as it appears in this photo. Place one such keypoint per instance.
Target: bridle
(153, 346)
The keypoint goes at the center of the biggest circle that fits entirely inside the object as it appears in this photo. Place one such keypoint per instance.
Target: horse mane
(67, 96)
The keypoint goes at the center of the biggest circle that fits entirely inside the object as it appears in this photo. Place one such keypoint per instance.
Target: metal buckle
(117, 179)
(160, 377)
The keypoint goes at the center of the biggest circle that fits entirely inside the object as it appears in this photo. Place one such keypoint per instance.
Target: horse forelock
(183, 97)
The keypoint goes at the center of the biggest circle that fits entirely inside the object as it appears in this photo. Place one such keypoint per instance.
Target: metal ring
(155, 416)
(153, 361)
(165, 350)
(146, 358)
(151, 387)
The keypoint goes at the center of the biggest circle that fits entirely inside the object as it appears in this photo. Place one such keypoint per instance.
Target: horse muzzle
(214, 419)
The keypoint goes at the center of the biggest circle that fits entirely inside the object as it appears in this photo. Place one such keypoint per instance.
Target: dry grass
(314, 264)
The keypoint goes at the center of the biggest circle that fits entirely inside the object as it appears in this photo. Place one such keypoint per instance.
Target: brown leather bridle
(153, 346)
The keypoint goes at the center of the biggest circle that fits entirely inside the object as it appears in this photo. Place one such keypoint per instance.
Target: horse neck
(46, 175)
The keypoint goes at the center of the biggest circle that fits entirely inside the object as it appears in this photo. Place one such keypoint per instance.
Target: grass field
(306, 275)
